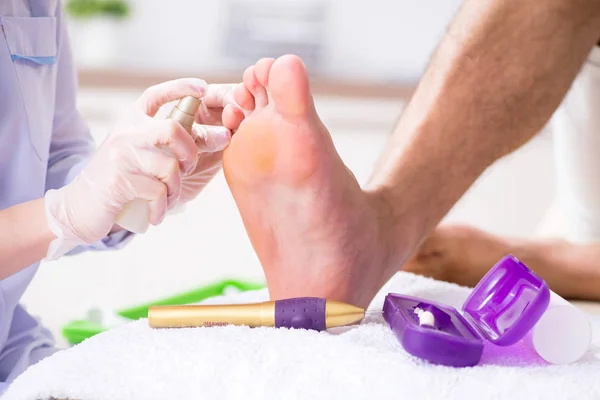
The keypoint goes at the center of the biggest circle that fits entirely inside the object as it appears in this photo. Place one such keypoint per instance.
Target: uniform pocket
(32, 43)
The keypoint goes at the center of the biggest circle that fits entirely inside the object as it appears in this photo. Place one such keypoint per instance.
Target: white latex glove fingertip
(212, 138)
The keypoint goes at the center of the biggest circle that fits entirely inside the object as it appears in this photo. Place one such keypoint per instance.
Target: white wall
(385, 39)
(382, 40)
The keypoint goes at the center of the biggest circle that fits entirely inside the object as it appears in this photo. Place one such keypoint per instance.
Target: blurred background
(365, 58)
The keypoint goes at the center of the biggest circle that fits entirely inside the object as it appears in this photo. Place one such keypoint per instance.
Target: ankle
(398, 234)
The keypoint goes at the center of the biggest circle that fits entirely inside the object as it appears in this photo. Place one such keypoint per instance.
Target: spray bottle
(135, 216)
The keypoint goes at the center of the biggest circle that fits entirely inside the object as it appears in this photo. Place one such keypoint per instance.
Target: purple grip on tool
(301, 313)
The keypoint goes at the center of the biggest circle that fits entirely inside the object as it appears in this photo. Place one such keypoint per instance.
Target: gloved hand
(129, 165)
(208, 164)
(217, 105)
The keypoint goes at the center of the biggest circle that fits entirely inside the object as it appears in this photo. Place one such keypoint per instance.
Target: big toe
(288, 85)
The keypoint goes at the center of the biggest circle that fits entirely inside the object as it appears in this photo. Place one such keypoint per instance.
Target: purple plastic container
(502, 309)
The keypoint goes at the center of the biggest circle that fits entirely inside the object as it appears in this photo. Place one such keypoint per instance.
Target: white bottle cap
(135, 216)
(563, 334)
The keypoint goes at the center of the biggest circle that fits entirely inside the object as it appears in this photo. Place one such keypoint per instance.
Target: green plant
(93, 8)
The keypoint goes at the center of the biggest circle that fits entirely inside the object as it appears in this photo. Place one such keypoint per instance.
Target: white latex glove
(217, 103)
(130, 165)
(209, 163)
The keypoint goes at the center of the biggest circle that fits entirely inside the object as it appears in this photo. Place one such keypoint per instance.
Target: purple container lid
(502, 309)
(507, 302)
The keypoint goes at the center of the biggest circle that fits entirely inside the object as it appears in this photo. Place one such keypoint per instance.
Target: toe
(232, 117)
(243, 98)
(258, 91)
(289, 87)
(262, 70)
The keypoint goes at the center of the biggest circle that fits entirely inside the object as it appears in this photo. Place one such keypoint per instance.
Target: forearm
(24, 236)
(496, 78)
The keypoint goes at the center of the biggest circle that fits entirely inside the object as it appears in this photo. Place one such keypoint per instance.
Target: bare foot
(458, 254)
(314, 230)
(463, 255)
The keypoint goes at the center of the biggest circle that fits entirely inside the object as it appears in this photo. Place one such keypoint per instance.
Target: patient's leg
(463, 255)
(314, 230)
(571, 261)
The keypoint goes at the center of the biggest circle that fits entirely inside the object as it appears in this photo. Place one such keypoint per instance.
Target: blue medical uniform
(44, 144)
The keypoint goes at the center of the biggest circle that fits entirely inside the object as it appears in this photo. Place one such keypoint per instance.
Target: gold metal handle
(188, 316)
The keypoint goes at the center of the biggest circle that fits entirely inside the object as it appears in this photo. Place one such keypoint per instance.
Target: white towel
(366, 362)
